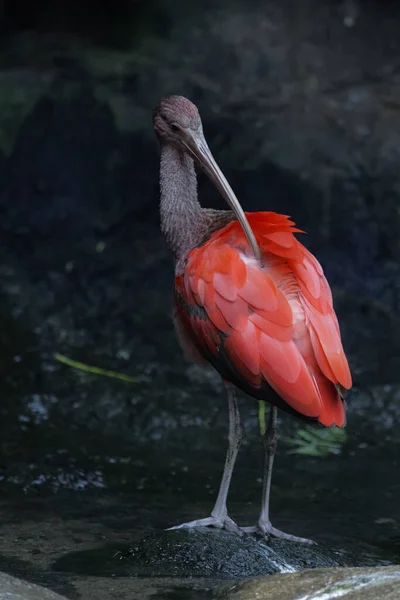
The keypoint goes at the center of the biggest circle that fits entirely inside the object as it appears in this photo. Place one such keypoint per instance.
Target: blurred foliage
(261, 416)
(317, 442)
(80, 366)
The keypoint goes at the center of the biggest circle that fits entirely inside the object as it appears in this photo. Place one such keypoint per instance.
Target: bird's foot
(265, 529)
(219, 522)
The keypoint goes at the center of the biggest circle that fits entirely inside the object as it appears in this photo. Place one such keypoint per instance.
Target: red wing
(273, 324)
(316, 298)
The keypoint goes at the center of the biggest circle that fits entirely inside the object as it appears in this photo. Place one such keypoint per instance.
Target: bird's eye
(175, 127)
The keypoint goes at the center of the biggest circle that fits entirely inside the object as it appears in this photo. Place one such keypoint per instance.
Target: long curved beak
(198, 149)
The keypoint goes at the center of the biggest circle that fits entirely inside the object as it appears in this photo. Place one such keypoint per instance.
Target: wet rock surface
(327, 584)
(92, 466)
(203, 553)
(12, 588)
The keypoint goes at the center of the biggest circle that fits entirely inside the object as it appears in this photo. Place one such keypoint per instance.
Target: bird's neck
(182, 218)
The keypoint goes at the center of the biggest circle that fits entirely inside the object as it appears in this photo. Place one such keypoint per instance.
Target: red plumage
(268, 325)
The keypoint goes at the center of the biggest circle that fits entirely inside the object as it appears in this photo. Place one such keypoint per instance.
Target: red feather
(270, 323)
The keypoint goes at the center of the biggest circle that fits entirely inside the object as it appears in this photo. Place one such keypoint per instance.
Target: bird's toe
(207, 522)
(277, 533)
(266, 530)
(217, 522)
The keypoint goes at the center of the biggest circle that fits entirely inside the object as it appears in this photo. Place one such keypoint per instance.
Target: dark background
(301, 107)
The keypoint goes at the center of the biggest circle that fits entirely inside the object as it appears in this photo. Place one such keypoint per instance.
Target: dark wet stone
(203, 553)
(208, 552)
(381, 583)
(12, 588)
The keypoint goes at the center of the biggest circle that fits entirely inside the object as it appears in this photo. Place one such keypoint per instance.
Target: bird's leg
(264, 527)
(220, 511)
(219, 515)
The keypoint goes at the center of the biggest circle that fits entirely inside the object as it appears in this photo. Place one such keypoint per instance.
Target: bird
(250, 301)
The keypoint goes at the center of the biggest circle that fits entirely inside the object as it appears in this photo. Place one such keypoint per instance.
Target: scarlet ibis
(249, 299)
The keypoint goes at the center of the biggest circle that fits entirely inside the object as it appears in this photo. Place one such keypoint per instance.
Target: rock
(375, 583)
(12, 588)
(203, 553)
(207, 552)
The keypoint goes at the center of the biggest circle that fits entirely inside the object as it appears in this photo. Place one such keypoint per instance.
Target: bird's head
(177, 122)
